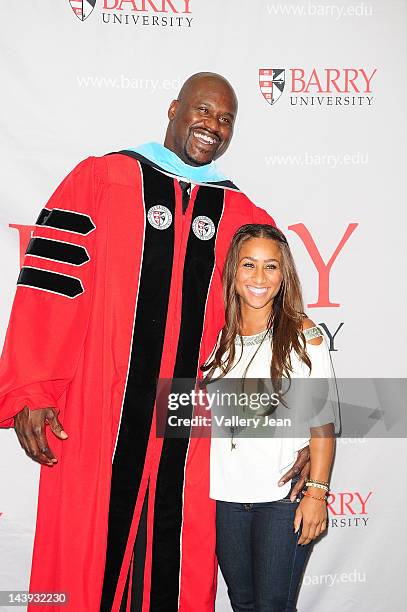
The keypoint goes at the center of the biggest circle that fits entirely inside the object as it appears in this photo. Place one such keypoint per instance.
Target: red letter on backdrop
(363, 502)
(323, 268)
(25, 233)
(298, 78)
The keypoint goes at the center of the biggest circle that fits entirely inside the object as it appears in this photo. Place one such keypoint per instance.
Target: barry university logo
(318, 86)
(82, 8)
(203, 227)
(167, 13)
(271, 81)
(159, 217)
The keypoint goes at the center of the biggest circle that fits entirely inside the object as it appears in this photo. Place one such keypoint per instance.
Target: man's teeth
(205, 138)
(258, 290)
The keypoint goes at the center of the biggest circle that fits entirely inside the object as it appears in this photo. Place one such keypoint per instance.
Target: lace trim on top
(251, 340)
(313, 332)
(309, 334)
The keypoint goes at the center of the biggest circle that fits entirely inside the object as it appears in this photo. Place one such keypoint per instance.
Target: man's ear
(172, 109)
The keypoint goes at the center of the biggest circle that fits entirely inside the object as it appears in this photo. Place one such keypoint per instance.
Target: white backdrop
(72, 88)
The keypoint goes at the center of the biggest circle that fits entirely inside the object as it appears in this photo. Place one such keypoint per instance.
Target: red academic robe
(118, 288)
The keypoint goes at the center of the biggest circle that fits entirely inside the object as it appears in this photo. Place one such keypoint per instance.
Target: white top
(250, 472)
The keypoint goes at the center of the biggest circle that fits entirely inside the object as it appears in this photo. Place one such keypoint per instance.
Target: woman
(263, 537)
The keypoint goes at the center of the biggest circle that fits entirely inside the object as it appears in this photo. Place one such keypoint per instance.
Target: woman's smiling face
(259, 276)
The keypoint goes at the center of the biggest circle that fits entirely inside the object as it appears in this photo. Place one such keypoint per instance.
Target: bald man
(121, 285)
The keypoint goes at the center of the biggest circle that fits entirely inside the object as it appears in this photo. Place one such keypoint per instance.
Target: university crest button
(203, 227)
(159, 217)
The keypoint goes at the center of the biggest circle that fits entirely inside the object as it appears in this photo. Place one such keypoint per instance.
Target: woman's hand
(313, 514)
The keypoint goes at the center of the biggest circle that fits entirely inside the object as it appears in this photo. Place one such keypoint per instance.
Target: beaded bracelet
(321, 482)
(313, 496)
(317, 485)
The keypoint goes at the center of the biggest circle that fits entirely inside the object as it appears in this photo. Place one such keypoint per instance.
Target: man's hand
(30, 429)
(301, 467)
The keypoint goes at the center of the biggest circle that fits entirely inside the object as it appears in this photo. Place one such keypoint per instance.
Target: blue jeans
(259, 556)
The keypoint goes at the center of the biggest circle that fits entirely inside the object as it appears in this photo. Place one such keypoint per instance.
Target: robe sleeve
(261, 216)
(50, 312)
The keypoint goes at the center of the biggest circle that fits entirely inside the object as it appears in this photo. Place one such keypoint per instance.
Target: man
(121, 284)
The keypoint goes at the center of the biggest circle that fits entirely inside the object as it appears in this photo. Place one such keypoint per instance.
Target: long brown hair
(286, 315)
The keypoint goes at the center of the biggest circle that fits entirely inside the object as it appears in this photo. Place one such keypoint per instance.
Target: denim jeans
(259, 556)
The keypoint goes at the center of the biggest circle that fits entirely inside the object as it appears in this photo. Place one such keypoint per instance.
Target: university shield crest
(272, 81)
(82, 8)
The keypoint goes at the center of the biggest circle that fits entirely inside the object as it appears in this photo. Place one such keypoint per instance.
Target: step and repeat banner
(319, 143)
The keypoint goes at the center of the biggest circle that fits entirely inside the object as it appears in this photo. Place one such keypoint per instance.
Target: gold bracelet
(313, 496)
(321, 482)
(317, 485)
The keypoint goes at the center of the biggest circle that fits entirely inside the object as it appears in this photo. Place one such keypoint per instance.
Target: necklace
(251, 340)
(256, 339)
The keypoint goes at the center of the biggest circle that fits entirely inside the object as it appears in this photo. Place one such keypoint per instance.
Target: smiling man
(201, 119)
(121, 285)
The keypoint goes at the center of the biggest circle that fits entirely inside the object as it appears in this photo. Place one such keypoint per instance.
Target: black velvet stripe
(139, 157)
(136, 573)
(57, 251)
(227, 184)
(145, 361)
(123, 605)
(69, 286)
(67, 220)
(140, 546)
(198, 268)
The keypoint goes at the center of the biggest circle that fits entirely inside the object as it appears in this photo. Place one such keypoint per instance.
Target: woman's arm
(322, 446)
(312, 512)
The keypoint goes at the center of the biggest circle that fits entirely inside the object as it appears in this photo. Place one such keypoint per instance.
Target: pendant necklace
(247, 341)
